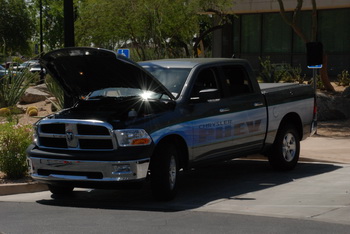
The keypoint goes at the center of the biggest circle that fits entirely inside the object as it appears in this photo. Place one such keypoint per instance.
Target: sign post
(314, 58)
(124, 52)
(314, 74)
(314, 62)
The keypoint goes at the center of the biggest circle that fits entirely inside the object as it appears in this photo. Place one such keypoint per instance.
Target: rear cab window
(236, 81)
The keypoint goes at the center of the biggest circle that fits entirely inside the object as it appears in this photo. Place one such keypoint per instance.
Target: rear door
(246, 107)
(234, 121)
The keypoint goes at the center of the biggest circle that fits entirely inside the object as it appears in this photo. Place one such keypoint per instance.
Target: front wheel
(286, 149)
(164, 172)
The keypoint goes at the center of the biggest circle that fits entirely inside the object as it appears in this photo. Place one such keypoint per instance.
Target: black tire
(60, 190)
(286, 149)
(164, 172)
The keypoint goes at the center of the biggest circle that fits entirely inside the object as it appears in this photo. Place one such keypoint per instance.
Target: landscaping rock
(34, 94)
(42, 87)
(346, 93)
(332, 107)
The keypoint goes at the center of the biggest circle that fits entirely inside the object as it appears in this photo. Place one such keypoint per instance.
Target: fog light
(121, 169)
(30, 166)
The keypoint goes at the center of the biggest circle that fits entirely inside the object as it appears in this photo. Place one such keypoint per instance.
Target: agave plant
(56, 91)
(13, 85)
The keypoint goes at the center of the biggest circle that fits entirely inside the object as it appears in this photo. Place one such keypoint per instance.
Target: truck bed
(279, 93)
(270, 87)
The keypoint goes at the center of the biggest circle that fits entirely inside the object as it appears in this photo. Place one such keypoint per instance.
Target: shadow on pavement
(197, 188)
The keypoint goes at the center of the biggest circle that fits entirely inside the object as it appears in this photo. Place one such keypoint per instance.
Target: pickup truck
(135, 122)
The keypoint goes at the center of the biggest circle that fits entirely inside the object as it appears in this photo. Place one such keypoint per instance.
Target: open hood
(81, 70)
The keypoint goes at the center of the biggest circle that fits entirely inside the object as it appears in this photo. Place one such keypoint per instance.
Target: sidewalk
(313, 149)
(326, 149)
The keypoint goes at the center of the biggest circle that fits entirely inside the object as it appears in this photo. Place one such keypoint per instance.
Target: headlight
(35, 135)
(132, 137)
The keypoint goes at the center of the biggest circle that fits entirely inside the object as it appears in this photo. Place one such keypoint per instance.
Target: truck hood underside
(82, 70)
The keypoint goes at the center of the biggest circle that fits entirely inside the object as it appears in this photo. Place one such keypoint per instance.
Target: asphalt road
(242, 196)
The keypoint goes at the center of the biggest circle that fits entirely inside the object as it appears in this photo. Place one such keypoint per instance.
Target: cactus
(5, 111)
(32, 111)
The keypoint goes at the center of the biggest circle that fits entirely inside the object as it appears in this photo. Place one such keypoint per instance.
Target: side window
(206, 80)
(237, 80)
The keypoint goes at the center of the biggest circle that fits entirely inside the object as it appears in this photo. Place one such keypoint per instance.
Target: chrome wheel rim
(172, 172)
(289, 147)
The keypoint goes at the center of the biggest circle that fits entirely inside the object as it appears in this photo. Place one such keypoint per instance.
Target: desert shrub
(295, 75)
(14, 140)
(344, 78)
(56, 91)
(280, 72)
(272, 73)
(319, 83)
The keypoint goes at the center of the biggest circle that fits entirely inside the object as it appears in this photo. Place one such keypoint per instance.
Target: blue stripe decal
(217, 129)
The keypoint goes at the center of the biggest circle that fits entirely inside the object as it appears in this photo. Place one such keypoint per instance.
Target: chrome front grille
(76, 135)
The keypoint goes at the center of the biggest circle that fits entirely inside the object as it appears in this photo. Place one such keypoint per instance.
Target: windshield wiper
(100, 97)
(109, 97)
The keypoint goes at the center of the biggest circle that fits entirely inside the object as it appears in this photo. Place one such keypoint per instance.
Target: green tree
(52, 23)
(16, 27)
(154, 28)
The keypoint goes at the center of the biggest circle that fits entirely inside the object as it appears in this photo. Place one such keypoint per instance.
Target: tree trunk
(201, 37)
(324, 75)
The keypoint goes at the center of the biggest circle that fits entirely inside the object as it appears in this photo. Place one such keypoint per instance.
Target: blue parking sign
(124, 52)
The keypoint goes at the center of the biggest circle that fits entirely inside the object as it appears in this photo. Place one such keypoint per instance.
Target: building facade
(258, 31)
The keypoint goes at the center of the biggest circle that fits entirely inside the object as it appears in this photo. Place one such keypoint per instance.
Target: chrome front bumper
(44, 169)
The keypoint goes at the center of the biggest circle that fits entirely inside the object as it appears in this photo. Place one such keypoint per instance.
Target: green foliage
(11, 113)
(319, 83)
(274, 73)
(154, 28)
(17, 60)
(16, 27)
(56, 91)
(294, 74)
(344, 78)
(14, 140)
(271, 73)
(52, 22)
(13, 85)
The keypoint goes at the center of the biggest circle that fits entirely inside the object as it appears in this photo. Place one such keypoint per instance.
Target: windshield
(172, 78)
(125, 92)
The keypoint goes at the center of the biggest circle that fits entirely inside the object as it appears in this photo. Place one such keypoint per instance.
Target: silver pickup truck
(135, 122)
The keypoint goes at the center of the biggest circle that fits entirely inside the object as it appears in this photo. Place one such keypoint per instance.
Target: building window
(277, 35)
(305, 24)
(250, 33)
(334, 30)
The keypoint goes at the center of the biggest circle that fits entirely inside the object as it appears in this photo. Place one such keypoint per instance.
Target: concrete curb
(10, 189)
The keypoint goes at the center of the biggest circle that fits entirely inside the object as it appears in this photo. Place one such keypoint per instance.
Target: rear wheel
(164, 172)
(60, 190)
(286, 149)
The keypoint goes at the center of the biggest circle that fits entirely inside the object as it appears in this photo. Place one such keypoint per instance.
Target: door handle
(224, 110)
(256, 104)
